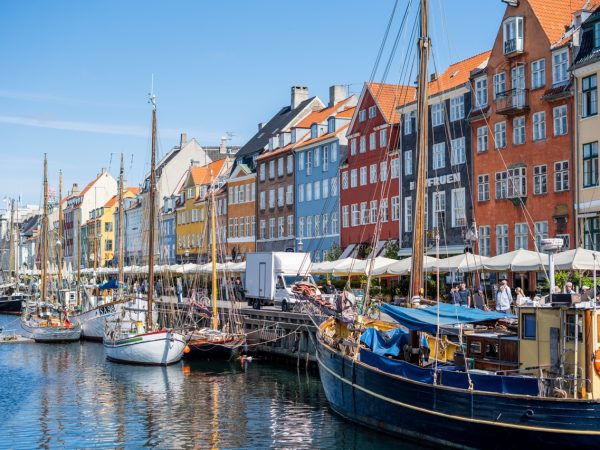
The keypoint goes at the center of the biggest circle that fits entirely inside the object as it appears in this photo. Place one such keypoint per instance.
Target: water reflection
(69, 396)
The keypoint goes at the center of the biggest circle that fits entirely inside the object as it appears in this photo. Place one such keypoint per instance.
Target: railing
(512, 101)
(513, 46)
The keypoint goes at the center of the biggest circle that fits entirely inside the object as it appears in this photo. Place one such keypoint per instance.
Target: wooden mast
(215, 313)
(17, 245)
(59, 243)
(78, 265)
(121, 259)
(151, 219)
(44, 242)
(11, 241)
(416, 283)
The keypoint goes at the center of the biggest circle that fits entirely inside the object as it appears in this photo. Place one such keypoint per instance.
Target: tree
(334, 253)
(391, 249)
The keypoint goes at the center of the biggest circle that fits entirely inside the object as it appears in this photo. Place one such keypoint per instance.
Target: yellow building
(192, 215)
(100, 230)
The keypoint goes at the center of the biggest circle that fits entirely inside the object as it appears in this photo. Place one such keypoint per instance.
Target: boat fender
(597, 362)
(186, 349)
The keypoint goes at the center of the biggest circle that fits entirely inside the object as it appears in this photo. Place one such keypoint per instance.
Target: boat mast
(60, 232)
(151, 220)
(44, 246)
(416, 283)
(78, 266)
(11, 240)
(17, 245)
(215, 319)
(121, 216)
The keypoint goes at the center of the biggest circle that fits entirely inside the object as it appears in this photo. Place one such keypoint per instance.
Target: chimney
(183, 140)
(75, 189)
(299, 94)
(433, 76)
(337, 93)
(260, 125)
(223, 146)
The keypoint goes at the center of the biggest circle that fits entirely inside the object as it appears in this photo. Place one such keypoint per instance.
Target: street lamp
(552, 246)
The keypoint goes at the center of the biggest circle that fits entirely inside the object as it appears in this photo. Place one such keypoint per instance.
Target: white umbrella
(403, 267)
(379, 265)
(517, 261)
(323, 267)
(465, 262)
(577, 259)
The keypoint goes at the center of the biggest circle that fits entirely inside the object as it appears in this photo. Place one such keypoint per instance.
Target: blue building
(318, 154)
(167, 231)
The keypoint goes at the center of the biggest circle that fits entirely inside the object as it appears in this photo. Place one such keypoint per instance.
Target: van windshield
(291, 279)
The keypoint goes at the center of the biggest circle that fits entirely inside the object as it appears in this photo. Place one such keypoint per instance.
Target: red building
(521, 124)
(369, 179)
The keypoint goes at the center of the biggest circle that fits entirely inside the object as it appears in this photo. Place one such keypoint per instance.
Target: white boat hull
(156, 348)
(52, 334)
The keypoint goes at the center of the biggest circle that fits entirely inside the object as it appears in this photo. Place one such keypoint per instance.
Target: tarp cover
(385, 342)
(110, 284)
(426, 319)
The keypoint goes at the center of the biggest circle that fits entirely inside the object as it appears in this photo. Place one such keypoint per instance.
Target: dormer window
(314, 131)
(281, 140)
(362, 115)
(513, 35)
(331, 125)
(271, 144)
(597, 35)
(190, 193)
(293, 136)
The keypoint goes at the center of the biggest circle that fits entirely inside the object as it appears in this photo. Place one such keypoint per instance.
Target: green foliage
(390, 250)
(334, 253)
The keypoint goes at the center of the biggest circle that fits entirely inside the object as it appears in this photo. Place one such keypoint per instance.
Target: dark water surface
(69, 396)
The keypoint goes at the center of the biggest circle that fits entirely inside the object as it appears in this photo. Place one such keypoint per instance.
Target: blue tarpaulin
(385, 342)
(110, 284)
(426, 319)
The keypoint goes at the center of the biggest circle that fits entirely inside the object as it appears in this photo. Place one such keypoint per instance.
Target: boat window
(528, 330)
(491, 351)
(475, 347)
(571, 328)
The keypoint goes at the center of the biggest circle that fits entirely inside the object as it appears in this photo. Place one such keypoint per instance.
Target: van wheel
(256, 303)
(284, 306)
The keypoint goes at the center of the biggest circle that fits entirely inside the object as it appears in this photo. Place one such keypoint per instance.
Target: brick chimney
(299, 94)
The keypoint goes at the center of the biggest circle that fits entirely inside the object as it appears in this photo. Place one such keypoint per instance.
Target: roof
(278, 122)
(587, 53)
(346, 113)
(322, 114)
(115, 198)
(458, 73)
(555, 16)
(322, 137)
(390, 96)
(276, 152)
(202, 175)
(90, 184)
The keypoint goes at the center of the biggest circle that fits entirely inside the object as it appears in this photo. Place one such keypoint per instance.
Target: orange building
(241, 213)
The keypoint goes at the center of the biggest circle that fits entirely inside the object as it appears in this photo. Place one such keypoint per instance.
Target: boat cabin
(494, 351)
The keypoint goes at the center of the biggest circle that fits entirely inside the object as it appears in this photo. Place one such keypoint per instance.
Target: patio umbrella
(577, 259)
(465, 262)
(517, 261)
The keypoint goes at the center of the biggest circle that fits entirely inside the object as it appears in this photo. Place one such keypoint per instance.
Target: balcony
(512, 102)
(513, 47)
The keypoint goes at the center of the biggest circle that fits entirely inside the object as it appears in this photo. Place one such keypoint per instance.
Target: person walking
(238, 289)
(503, 300)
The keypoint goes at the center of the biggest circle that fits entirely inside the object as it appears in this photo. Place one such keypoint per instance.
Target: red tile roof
(321, 138)
(89, 185)
(201, 175)
(321, 115)
(555, 15)
(390, 96)
(275, 152)
(346, 113)
(458, 73)
(115, 198)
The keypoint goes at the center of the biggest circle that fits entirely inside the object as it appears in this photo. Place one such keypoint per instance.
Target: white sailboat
(46, 319)
(131, 341)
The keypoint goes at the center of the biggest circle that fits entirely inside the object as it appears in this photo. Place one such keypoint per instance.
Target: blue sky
(76, 74)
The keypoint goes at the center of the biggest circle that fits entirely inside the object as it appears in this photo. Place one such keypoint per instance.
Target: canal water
(69, 396)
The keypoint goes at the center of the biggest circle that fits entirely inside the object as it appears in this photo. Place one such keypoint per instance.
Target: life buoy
(597, 362)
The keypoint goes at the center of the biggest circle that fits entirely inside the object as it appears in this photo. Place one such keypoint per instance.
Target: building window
(439, 156)
(383, 170)
(501, 239)
(355, 215)
(439, 209)
(334, 151)
(382, 138)
(334, 223)
(300, 227)
(457, 108)
(353, 147)
(334, 187)
(325, 188)
(309, 162)
(538, 73)
(539, 126)
(408, 220)
(373, 173)
(513, 35)
(408, 162)
(262, 226)
(317, 157)
(261, 173)
(373, 211)
(501, 185)
(395, 168)
(372, 141)
(520, 236)
(540, 179)
(317, 190)
(591, 233)
(372, 112)
(363, 144)
(364, 213)
(290, 164)
(325, 158)
(590, 164)
(309, 192)
(240, 195)
(561, 176)
(541, 232)
(280, 167)
(483, 187)
(261, 200)
(272, 198)
(353, 178)
(331, 125)
(560, 66)
(290, 225)
(300, 193)
(309, 226)
(589, 96)
(383, 209)
(325, 224)
(499, 84)
(362, 115)
(500, 134)
(363, 176)
(560, 120)
(484, 240)
(482, 139)
(345, 179)
(437, 114)
(345, 216)
(459, 216)
(272, 169)
(280, 196)
(519, 130)
(597, 35)
(289, 195)
(408, 122)
(481, 93)
(395, 208)
(317, 225)
(566, 240)
(458, 154)
(528, 331)
(517, 182)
